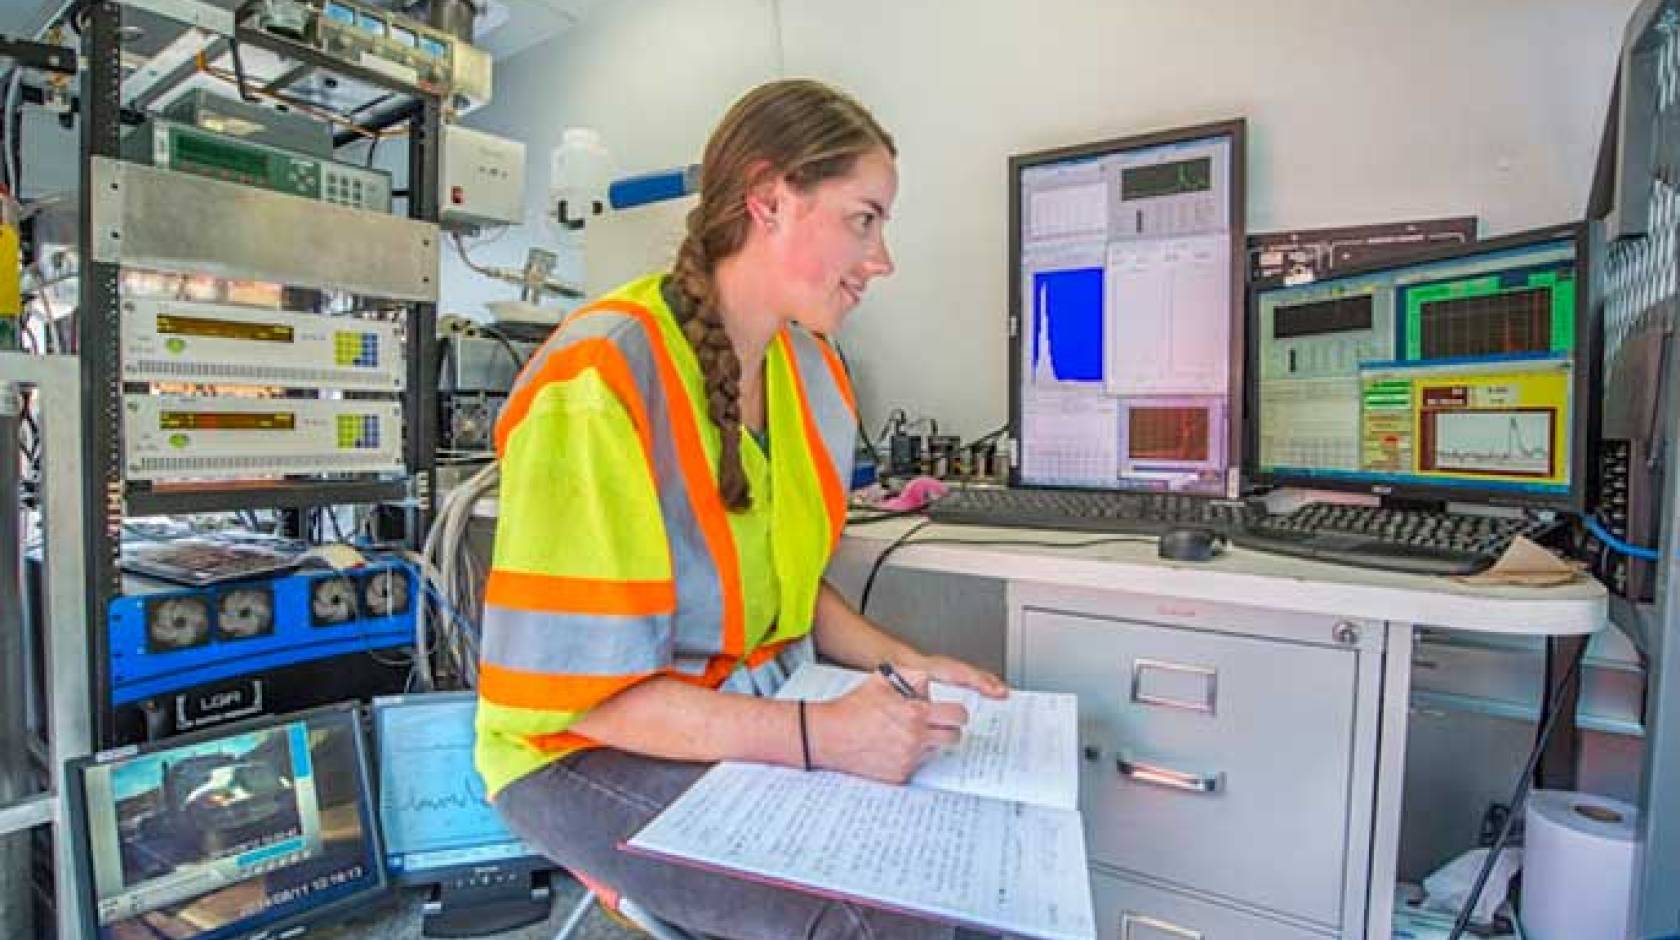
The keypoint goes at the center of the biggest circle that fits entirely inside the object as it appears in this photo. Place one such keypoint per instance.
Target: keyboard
(1390, 539)
(210, 560)
(1088, 510)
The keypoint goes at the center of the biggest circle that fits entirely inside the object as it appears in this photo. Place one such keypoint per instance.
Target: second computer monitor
(1126, 312)
(1461, 375)
(432, 805)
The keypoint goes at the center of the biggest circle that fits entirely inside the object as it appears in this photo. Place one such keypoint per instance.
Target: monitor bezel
(1582, 457)
(443, 875)
(75, 785)
(1237, 130)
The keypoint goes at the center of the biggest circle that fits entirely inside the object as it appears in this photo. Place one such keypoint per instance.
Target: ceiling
(506, 28)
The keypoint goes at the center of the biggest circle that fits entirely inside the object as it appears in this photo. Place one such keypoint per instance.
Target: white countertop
(1238, 575)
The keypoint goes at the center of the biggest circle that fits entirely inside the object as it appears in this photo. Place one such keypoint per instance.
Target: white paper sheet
(994, 864)
(1022, 748)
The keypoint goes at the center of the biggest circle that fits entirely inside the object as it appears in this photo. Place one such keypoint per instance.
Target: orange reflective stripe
(837, 369)
(547, 593)
(767, 652)
(702, 487)
(515, 688)
(834, 496)
(563, 742)
(593, 353)
(717, 670)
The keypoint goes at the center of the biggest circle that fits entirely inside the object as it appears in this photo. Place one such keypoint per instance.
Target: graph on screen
(1167, 434)
(1068, 325)
(1518, 321)
(431, 797)
(1510, 443)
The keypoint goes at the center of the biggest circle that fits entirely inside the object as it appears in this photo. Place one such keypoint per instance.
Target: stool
(637, 915)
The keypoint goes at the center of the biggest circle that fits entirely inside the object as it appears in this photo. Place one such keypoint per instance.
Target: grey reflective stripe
(575, 644)
(768, 678)
(836, 424)
(739, 682)
(691, 665)
(698, 625)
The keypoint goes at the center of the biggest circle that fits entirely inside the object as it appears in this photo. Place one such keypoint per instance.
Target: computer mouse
(1190, 545)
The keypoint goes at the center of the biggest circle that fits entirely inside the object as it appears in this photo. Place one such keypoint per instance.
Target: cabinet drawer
(1219, 762)
(1127, 910)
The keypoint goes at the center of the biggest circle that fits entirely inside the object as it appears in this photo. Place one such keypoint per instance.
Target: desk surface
(1239, 575)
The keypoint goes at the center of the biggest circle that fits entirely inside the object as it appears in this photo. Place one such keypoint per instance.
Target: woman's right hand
(873, 731)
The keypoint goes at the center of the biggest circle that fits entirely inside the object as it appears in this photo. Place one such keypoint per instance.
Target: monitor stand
(1410, 504)
(474, 910)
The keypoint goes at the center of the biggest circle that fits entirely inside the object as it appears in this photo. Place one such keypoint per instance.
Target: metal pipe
(17, 914)
(455, 17)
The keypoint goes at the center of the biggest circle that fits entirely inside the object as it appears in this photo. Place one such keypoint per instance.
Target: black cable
(500, 337)
(239, 72)
(1519, 797)
(881, 559)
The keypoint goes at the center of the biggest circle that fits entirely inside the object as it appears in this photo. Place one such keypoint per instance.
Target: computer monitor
(1463, 375)
(440, 830)
(264, 825)
(1126, 313)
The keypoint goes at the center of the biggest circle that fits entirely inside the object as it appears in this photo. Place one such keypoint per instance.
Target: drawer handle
(1168, 777)
(1129, 920)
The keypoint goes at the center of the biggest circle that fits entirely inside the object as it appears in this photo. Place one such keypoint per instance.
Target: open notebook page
(1023, 748)
(993, 864)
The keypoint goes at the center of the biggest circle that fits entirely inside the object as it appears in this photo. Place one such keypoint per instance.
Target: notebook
(985, 834)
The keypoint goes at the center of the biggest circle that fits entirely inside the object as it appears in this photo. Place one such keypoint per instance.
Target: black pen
(897, 681)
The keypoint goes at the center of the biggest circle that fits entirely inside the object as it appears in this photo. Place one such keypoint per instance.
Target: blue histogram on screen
(1068, 325)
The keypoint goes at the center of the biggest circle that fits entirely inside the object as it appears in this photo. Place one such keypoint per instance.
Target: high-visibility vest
(615, 559)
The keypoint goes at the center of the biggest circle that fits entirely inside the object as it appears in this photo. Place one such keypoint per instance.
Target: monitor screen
(432, 807)
(1463, 375)
(1126, 313)
(216, 835)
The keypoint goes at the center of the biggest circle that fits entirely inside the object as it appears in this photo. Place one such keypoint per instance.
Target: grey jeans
(578, 809)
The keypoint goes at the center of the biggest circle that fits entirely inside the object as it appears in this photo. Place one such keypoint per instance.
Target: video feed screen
(220, 837)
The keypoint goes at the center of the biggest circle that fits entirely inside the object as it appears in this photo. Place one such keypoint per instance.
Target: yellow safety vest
(615, 559)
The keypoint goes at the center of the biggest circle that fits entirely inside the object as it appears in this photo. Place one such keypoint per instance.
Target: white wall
(1358, 111)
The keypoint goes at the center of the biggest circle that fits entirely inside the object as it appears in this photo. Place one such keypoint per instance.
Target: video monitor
(1126, 313)
(267, 824)
(1465, 374)
(432, 806)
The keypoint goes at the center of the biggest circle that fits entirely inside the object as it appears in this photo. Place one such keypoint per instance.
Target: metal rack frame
(106, 496)
(55, 379)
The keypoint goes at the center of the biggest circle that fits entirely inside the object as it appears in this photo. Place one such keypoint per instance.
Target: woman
(673, 470)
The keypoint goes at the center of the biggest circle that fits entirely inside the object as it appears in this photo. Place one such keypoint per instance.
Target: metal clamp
(1129, 920)
(1143, 772)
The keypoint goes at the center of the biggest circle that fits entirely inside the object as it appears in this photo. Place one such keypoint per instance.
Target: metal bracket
(191, 12)
(39, 55)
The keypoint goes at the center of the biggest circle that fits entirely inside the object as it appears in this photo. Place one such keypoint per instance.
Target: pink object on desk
(916, 494)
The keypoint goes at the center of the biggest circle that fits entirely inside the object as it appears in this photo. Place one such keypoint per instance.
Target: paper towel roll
(1579, 859)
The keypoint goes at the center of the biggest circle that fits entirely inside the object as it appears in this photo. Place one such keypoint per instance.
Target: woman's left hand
(956, 672)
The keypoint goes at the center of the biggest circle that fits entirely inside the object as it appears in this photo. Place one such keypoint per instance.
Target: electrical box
(187, 148)
(177, 437)
(483, 178)
(182, 341)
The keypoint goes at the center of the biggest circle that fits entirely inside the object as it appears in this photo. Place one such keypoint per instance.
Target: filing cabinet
(1131, 910)
(1226, 755)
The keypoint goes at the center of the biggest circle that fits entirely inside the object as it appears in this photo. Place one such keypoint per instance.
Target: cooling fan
(385, 593)
(177, 623)
(245, 612)
(332, 600)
